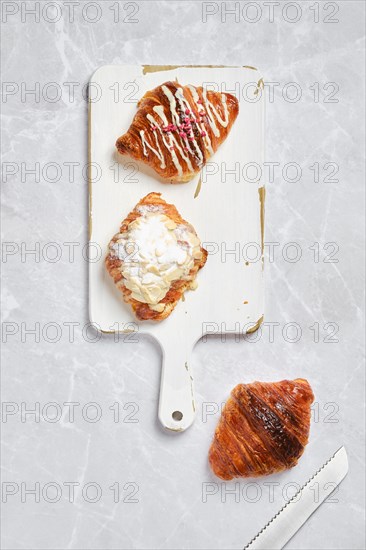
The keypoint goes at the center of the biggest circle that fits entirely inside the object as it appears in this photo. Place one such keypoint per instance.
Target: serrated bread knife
(282, 527)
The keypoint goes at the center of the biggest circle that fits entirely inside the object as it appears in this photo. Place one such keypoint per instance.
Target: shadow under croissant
(126, 160)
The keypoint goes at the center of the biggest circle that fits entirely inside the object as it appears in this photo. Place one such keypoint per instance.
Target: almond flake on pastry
(154, 258)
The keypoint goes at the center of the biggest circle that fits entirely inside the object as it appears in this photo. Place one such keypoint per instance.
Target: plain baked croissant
(178, 128)
(263, 429)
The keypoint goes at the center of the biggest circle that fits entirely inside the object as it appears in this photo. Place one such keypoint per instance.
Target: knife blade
(283, 526)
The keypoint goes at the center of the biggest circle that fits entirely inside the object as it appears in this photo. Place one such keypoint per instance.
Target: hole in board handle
(177, 415)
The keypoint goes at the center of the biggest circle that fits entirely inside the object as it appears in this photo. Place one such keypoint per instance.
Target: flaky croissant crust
(178, 128)
(263, 429)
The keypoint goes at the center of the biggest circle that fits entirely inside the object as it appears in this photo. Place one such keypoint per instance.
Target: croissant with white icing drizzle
(154, 258)
(263, 429)
(178, 128)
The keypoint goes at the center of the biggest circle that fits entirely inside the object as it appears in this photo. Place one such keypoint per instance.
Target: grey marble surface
(167, 497)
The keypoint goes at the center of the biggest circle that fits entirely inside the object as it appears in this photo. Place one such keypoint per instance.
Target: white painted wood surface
(226, 215)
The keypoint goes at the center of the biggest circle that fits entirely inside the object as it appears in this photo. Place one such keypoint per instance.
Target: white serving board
(227, 213)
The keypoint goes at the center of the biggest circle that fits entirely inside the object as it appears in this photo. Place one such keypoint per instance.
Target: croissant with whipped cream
(154, 258)
(178, 128)
(263, 429)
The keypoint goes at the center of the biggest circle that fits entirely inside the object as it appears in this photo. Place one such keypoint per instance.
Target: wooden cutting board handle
(176, 403)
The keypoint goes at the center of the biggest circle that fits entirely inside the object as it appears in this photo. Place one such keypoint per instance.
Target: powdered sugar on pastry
(155, 251)
(154, 258)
